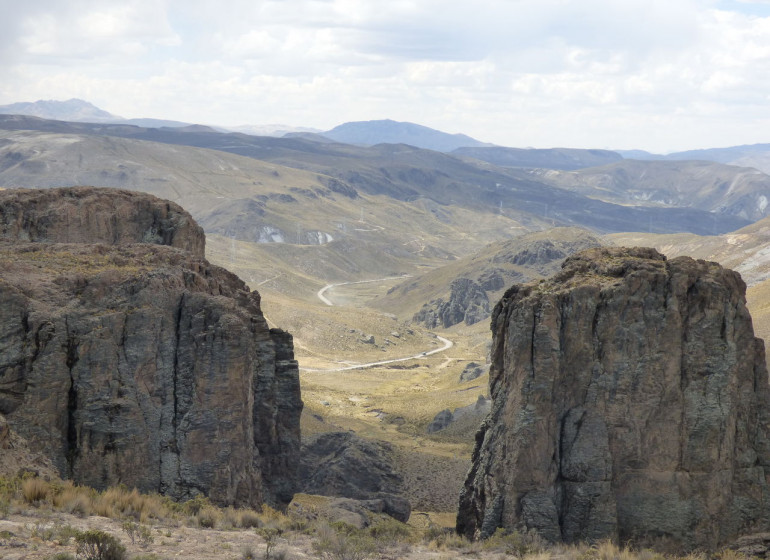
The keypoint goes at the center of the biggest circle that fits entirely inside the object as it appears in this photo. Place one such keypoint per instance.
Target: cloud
(596, 73)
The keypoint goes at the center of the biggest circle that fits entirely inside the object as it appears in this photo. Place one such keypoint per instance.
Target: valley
(356, 250)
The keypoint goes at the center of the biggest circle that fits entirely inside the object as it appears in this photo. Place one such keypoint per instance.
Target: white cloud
(599, 73)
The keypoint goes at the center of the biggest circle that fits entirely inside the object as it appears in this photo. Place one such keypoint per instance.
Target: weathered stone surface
(145, 365)
(96, 215)
(468, 303)
(472, 371)
(344, 465)
(630, 401)
(440, 421)
(471, 415)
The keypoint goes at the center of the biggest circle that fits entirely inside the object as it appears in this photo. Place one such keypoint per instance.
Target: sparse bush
(61, 556)
(390, 531)
(193, 506)
(514, 543)
(5, 506)
(98, 545)
(138, 533)
(248, 553)
(333, 545)
(249, 519)
(270, 534)
(208, 516)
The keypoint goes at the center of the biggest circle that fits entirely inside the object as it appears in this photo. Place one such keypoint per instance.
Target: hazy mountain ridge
(552, 158)
(408, 173)
(70, 110)
(710, 186)
(370, 133)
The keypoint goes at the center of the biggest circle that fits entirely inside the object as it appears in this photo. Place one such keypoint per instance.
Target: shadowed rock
(630, 401)
(342, 464)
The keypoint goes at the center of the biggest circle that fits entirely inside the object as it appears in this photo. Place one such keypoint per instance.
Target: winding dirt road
(447, 343)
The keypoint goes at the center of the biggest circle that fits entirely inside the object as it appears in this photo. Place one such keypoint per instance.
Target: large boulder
(144, 365)
(342, 464)
(630, 401)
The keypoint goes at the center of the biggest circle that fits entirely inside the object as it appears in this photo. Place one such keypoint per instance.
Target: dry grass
(158, 528)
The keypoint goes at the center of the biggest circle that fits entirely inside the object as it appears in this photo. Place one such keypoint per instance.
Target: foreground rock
(341, 464)
(145, 365)
(630, 401)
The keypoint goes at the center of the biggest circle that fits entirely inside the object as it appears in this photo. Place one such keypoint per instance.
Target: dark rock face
(630, 401)
(97, 215)
(472, 371)
(344, 465)
(468, 303)
(440, 421)
(146, 365)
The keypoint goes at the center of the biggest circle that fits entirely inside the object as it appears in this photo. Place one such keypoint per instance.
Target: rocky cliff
(142, 364)
(630, 401)
(468, 303)
(93, 215)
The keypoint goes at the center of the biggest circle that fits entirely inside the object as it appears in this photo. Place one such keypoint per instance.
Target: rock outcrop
(630, 401)
(468, 303)
(341, 464)
(97, 215)
(142, 364)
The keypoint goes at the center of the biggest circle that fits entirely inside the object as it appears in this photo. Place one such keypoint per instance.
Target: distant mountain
(747, 155)
(564, 159)
(639, 154)
(430, 179)
(370, 133)
(722, 155)
(277, 130)
(71, 110)
(706, 185)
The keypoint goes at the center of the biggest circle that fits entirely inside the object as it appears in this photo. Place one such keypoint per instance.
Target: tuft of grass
(35, 490)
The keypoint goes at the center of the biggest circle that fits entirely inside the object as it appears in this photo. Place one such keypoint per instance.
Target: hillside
(409, 174)
(710, 186)
(495, 268)
(552, 158)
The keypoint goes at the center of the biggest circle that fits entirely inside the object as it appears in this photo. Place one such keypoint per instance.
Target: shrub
(247, 553)
(390, 531)
(98, 545)
(208, 517)
(271, 535)
(334, 545)
(61, 556)
(35, 490)
(138, 533)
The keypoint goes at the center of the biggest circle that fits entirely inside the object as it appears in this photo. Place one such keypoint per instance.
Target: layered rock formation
(468, 303)
(630, 401)
(91, 215)
(137, 363)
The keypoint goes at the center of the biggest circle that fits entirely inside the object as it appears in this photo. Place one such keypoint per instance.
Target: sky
(656, 75)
